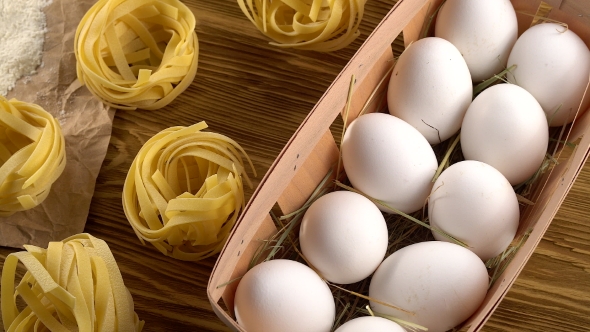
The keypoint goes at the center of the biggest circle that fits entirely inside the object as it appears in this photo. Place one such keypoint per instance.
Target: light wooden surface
(258, 95)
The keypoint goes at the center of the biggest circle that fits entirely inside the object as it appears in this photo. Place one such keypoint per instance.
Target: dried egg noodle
(73, 285)
(136, 53)
(184, 191)
(319, 25)
(32, 155)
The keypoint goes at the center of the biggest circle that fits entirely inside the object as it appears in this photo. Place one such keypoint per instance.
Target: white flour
(22, 33)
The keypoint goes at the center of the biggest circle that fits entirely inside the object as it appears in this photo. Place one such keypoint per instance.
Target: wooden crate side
(364, 90)
(414, 28)
(324, 156)
(300, 146)
(310, 173)
(580, 127)
(304, 140)
(523, 9)
(305, 179)
(266, 230)
(224, 285)
(574, 24)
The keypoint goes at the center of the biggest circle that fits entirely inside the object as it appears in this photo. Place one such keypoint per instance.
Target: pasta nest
(73, 285)
(32, 155)
(184, 191)
(319, 25)
(137, 54)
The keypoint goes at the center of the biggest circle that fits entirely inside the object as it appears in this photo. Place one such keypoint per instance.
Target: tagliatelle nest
(184, 191)
(137, 54)
(73, 285)
(319, 25)
(32, 155)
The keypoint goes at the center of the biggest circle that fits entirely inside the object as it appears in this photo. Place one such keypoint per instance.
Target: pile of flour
(22, 33)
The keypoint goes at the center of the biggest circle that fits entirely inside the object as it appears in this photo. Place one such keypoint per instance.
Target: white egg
(430, 88)
(388, 159)
(505, 127)
(370, 324)
(440, 283)
(474, 203)
(344, 236)
(284, 295)
(483, 31)
(553, 64)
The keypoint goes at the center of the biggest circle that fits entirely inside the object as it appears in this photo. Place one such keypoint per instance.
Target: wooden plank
(258, 95)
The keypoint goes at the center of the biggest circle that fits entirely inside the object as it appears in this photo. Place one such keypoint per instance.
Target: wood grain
(553, 291)
(258, 95)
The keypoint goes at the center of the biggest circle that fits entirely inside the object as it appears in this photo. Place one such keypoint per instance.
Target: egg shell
(474, 203)
(441, 283)
(344, 237)
(483, 31)
(389, 160)
(505, 127)
(430, 88)
(370, 324)
(553, 64)
(284, 295)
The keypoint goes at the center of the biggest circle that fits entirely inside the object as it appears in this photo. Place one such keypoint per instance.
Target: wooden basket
(311, 153)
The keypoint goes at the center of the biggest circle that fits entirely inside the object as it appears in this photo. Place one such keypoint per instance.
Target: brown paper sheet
(86, 124)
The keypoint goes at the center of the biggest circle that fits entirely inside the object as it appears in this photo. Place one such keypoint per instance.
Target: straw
(407, 216)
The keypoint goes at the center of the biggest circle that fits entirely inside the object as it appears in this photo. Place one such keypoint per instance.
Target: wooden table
(258, 95)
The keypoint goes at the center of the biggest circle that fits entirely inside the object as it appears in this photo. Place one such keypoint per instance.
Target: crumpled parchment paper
(86, 124)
